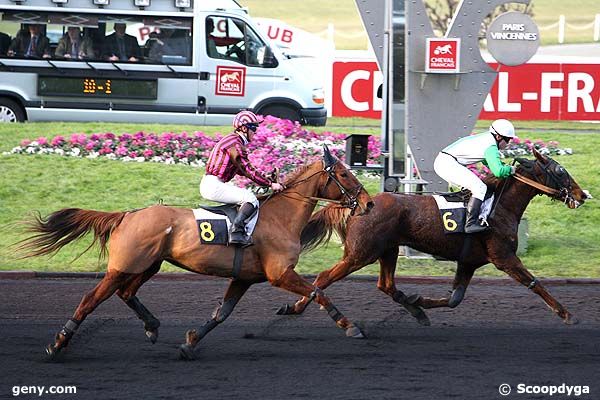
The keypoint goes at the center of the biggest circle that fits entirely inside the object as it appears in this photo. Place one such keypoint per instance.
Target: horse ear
(328, 158)
(539, 156)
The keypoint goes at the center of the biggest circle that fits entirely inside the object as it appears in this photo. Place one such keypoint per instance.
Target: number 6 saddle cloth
(214, 223)
(453, 210)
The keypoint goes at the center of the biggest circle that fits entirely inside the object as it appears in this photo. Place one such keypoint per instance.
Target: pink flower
(132, 154)
(90, 146)
(57, 141)
(25, 142)
(148, 153)
(121, 151)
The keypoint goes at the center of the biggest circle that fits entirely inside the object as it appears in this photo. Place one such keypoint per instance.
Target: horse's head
(339, 183)
(549, 173)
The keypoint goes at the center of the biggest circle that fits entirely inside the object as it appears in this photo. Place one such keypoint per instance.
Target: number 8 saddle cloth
(214, 223)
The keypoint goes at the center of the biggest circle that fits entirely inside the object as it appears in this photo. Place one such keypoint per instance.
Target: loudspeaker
(357, 147)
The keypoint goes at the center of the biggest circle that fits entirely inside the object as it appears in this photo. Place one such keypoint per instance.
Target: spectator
(4, 43)
(75, 46)
(30, 43)
(213, 42)
(169, 43)
(120, 46)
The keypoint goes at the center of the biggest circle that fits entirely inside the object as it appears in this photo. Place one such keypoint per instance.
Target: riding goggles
(252, 125)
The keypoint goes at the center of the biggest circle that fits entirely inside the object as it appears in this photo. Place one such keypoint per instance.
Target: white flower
(93, 154)
(140, 159)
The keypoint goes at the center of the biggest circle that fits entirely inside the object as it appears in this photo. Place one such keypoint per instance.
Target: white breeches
(453, 172)
(212, 188)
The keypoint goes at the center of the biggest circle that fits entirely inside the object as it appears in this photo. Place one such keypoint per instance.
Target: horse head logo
(446, 49)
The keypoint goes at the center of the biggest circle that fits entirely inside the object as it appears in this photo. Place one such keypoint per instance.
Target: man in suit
(4, 43)
(74, 46)
(30, 43)
(120, 46)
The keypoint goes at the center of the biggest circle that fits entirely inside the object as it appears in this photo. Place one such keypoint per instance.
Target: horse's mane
(290, 178)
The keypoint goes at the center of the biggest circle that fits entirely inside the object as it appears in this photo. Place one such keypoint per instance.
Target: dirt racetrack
(499, 334)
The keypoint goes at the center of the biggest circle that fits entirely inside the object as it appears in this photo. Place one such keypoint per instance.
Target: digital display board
(104, 88)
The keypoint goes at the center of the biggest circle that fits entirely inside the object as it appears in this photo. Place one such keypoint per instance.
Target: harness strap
(537, 185)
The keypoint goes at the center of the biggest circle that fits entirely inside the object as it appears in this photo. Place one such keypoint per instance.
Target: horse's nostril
(370, 205)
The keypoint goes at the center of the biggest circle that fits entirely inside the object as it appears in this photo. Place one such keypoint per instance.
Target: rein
(548, 190)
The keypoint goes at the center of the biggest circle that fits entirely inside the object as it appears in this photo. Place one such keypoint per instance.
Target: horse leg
(292, 282)
(516, 270)
(127, 294)
(462, 278)
(323, 280)
(386, 283)
(234, 293)
(103, 290)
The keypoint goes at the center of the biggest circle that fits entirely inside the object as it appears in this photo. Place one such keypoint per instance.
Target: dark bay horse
(414, 220)
(137, 242)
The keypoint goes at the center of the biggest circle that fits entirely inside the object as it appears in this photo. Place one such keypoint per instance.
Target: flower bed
(277, 144)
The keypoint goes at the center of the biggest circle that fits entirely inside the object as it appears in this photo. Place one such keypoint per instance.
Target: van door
(240, 65)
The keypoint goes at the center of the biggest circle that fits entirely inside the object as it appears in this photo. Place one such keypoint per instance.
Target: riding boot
(472, 224)
(238, 234)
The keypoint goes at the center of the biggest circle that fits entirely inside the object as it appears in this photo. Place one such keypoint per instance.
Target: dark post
(357, 148)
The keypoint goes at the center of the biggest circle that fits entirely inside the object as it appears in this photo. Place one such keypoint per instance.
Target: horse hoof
(413, 298)
(286, 310)
(152, 335)
(52, 353)
(354, 333)
(423, 319)
(571, 320)
(186, 352)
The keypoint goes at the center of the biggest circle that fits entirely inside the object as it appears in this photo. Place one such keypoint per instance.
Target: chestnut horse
(139, 241)
(414, 220)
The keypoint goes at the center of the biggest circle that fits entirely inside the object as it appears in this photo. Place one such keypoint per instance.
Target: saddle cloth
(214, 223)
(454, 213)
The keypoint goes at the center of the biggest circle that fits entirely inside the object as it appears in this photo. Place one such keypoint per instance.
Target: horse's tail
(321, 225)
(62, 227)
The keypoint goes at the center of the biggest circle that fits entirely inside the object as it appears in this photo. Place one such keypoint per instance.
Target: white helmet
(503, 127)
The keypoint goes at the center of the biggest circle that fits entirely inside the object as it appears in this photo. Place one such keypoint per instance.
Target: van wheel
(280, 111)
(10, 111)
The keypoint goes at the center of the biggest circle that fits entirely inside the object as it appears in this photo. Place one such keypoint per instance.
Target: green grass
(562, 242)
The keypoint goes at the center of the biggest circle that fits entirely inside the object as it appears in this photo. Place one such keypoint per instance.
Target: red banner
(525, 92)
(355, 85)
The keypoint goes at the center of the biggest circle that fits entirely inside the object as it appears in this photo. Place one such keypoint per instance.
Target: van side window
(232, 39)
(96, 37)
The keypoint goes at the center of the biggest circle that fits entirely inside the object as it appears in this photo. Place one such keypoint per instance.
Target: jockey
(228, 158)
(450, 164)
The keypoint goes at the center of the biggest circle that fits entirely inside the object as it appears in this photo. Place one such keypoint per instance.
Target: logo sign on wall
(443, 55)
(231, 81)
(513, 38)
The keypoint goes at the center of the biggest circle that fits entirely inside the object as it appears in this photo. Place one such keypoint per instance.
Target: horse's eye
(344, 175)
(560, 170)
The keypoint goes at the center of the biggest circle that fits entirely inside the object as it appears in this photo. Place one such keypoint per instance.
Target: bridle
(552, 171)
(350, 196)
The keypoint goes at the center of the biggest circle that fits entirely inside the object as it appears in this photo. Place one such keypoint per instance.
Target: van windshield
(96, 37)
(232, 39)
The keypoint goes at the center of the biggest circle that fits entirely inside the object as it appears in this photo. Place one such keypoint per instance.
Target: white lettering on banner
(346, 90)
(547, 92)
(377, 81)
(583, 93)
(503, 104)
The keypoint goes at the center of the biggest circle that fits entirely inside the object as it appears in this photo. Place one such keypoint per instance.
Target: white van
(171, 61)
